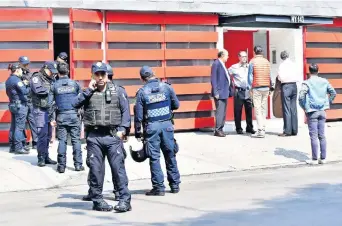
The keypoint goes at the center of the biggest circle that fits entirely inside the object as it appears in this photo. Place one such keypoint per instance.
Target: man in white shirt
(242, 98)
(288, 77)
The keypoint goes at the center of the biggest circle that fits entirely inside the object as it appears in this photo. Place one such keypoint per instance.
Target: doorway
(61, 39)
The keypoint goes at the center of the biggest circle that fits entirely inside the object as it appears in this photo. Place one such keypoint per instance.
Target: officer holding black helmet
(24, 65)
(65, 91)
(17, 91)
(42, 101)
(106, 118)
(155, 102)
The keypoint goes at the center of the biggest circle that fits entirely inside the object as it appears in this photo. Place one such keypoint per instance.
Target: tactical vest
(103, 108)
(41, 101)
(65, 92)
(261, 72)
(157, 102)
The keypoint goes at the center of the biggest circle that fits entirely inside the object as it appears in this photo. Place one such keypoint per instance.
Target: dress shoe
(219, 134)
(122, 207)
(251, 131)
(79, 168)
(155, 192)
(50, 161)
(239, 131)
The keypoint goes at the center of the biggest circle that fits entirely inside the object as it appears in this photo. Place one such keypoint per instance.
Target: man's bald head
(223, 55)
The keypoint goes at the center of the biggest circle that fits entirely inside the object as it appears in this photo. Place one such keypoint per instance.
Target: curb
(266, 167)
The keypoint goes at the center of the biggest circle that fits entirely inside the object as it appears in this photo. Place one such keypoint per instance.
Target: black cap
(51, 65)
(63, 55)
(24, 60)
(13, 66)
(99, 66)
(146, 72)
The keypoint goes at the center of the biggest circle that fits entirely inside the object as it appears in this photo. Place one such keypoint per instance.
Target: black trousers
(289, 103)
(239, 102)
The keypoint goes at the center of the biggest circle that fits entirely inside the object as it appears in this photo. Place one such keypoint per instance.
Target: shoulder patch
(35, 80)
(20, 84)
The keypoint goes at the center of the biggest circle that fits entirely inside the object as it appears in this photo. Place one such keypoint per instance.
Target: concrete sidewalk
(200, 153)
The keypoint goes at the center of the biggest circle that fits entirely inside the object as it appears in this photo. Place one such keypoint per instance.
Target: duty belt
(239, 89)
(102, 129)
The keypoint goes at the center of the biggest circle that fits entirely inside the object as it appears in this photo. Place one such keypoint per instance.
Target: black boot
(41, 162)
(60, 169)
(175, 190)
(50, 161)
(21, 152)
(102, 206)
(79, 168)
(11, 150)
(34, 145)
(122, 207)
(86, 198)
(117, 195)
(155, 192)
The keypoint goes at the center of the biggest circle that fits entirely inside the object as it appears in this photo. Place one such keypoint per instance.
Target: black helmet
(138, 155)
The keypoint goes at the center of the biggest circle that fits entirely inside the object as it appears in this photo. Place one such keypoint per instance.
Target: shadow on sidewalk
(292, 154)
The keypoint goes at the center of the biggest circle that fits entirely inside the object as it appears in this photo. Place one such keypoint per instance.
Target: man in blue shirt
(314, 101)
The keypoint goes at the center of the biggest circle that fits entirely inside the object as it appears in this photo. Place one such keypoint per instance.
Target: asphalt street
(300, 196)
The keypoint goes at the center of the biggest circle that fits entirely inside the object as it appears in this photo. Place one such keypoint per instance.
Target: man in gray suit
(220, 90)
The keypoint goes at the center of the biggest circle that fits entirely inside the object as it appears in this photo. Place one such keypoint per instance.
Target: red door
(234, 42)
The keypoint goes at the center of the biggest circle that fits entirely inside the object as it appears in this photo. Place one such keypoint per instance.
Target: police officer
(68, 122)
(24, 64)
(106, 118)
(42, 101)
(17, 91)
(62, 57)
(155, 102)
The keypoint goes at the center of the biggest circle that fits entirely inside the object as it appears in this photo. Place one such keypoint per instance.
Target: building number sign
(297, 19)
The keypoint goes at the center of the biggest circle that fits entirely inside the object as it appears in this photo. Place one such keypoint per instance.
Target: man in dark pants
(42, 101)
(64, 91)
(24, 64)
(220, 83)
(288, 78)
(242, 97)
(106, 119)
(155, 102)
(17, 91)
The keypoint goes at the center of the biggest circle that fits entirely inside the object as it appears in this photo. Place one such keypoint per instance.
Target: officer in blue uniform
(115, 190)
(24, 64)
(42, 101)
(155, 102)
(106, 118)
(64, 92)
(17, 91)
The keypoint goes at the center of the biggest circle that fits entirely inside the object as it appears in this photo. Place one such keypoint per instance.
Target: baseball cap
(13, 66)
(63, 55)
(99, 66)
(52, 66)
(146, 72)
(24, 60)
